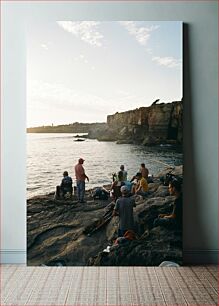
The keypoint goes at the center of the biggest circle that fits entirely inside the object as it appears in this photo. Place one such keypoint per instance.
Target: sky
(82, 71)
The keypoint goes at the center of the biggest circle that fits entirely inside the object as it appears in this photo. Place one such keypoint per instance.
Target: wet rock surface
(65, 232)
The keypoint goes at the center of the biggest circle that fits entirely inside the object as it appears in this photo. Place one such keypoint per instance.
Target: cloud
(45, 47)
(45, 96)
(141, 34)
(81, 58)
(87, 31)
(122, 92)
(169, 62)
(50, 100)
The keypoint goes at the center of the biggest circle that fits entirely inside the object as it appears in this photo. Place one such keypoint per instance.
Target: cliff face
(156, 124)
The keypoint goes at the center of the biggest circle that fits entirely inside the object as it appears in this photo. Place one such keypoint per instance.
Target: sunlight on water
(48, 155)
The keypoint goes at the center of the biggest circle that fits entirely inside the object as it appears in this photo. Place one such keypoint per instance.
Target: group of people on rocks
(125, 204)
(137, 185)
(124, 193)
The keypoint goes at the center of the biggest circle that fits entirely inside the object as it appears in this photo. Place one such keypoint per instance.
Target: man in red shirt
(80, 177)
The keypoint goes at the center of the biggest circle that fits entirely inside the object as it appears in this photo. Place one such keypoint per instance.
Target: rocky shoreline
(160, 123)
(156, 124)
(61, 232)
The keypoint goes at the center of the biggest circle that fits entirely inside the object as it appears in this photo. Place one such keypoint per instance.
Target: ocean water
(48, 155)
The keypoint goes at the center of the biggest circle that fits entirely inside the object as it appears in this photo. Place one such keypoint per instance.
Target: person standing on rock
(173, 220)
(124, 209)
(116, 186)
(80, 177)
(124, 172)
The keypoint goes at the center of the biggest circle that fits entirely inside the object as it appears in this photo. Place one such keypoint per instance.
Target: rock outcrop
(156, 246)
(62, 232)
(156, 124)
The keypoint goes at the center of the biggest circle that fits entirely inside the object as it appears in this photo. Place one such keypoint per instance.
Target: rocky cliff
(157, 124)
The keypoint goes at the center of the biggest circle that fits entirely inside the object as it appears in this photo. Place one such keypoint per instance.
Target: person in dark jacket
(65, 186)
(173, 220)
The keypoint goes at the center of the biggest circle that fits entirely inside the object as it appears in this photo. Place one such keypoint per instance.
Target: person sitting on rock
(125, 173)
(116, 185)
(128, 236)
(144, 171)
(124, 209)
(65, 186)
(100, 193)
(173, 220)
(142, 185)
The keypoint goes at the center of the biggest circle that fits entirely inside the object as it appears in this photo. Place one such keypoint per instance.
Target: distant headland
(156, 124)
(75, 127)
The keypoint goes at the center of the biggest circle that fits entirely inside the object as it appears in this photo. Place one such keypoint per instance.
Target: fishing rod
(113, 175)
(158, 161)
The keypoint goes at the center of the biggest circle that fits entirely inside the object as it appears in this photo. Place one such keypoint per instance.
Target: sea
(49, 155)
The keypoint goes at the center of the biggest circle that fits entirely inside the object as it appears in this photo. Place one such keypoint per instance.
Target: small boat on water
(79, 139)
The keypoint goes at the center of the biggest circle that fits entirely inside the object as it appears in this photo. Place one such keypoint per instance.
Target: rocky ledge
(156, 124)
(67, 233)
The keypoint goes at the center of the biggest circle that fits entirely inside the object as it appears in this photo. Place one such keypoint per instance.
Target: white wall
(200, 124)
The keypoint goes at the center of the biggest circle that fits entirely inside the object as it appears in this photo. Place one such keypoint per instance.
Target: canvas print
(104, 143)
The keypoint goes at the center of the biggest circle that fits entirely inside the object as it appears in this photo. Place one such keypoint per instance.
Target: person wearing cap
(80, 177)
(124, 209)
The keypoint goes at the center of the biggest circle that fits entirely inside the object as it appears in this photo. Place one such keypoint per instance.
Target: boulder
(154, 247)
